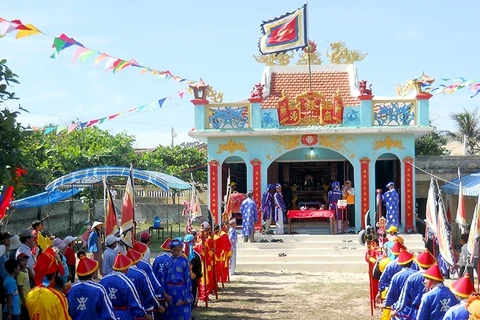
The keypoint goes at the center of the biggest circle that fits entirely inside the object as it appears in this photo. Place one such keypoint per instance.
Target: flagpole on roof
(308, 52)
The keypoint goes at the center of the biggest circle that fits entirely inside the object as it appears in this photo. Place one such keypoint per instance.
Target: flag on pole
(431, 210)
(111, 222)
(285, 33)
(461, 218)
(474, 230)
(128, 212)
(444, 234)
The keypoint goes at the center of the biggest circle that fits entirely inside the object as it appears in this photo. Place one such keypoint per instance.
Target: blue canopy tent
(95, 175)
(44, 198)
(470, 185)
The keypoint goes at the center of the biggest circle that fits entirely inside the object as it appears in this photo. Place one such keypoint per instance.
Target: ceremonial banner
(128, 212)
(365, 186)
(288, 32)
(409, 198)
(444, 235)
(474, 230)
(257, 189)
(461, 218)
(430, 212)
(111, 223)
(213, 170)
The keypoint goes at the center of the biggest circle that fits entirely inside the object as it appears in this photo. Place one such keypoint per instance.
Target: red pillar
(408, 194)
(365, 188)
(214, 188)
(257, 189)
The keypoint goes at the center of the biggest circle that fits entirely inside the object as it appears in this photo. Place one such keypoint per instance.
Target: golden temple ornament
(405, 89)
(340, 54)
(270, 60)
(309, 55)
(388, 143)
(231, 146)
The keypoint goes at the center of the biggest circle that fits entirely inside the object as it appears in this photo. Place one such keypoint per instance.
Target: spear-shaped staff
(205, 267)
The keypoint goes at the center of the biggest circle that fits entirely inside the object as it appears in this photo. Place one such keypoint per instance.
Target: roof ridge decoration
(337, 54)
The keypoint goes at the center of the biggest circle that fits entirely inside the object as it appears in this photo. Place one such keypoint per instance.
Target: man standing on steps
(267, 207)
(249, 212)
(349, 194)
(232, 235)
(391, 203)
(280, 210)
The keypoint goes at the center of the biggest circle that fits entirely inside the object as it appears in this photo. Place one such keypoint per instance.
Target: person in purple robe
(391, 203)
(178, 283)
(332, 197)
(280, 210)
(267, 207)
(249, 212)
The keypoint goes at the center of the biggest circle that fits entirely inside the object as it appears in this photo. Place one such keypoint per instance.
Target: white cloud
(45, 97)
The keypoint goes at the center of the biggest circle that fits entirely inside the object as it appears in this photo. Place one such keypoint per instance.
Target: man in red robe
(204, 247)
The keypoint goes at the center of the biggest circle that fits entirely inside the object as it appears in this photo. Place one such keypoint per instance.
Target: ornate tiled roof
(295, 80)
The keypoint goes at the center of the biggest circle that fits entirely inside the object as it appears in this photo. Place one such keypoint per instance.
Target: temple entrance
(306, 176)
(235, 170)
(388, 169)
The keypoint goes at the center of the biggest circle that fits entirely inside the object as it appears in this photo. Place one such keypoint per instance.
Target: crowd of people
(409, 286)
(97, 277)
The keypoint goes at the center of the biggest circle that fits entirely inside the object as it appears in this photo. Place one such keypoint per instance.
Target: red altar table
(307, 214)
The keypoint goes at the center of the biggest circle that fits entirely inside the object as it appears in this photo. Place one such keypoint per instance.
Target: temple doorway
(388, 169)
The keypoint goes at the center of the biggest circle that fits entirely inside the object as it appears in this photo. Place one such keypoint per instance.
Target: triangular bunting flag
(30, 31)
(161, 101)
(61, 128)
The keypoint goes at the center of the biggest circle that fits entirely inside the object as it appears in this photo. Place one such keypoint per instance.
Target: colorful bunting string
(450, 85)
(86, 124)
(83, 53)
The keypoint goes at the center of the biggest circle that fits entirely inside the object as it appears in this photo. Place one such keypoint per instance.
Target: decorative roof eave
(213, 133)
(332, 68)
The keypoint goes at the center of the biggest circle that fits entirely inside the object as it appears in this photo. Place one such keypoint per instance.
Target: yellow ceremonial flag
(31, 31)
(43, 242)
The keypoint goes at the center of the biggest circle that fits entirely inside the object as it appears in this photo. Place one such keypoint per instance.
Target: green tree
(432, 144)
(10, 128)
(180, 161)
(468, 130)
(50, 156)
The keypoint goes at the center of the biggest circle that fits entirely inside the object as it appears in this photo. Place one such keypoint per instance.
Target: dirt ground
(270, 295)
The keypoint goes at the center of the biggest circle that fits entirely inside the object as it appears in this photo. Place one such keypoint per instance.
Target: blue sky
(215, 40)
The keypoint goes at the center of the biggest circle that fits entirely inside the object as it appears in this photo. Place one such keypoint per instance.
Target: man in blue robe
(391, 203)
(232, 236)
(178, 283)
(142, 283)
(122, 292)
(249, 212)
(333, 196)
(88, 299)
(267, 207)
(405, 260)
(462, 288)
(159, 261)
(436, 302)
(413, 289)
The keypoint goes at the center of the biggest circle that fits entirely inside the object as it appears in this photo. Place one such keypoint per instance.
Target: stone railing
(228, 116)
(394, 113)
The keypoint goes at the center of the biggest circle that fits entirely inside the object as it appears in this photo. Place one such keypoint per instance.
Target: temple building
(308, 127)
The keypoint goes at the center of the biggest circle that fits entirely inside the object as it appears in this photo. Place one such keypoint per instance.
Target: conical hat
(166, 245)
(122, 262)
(473, 306)
(425, 259)
(405, 257)
(140, 247)
(397, 246)
(86, 266)
(434, 273)
(135, 256)
(463, 286)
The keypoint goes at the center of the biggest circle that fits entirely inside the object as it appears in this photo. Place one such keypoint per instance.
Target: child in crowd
(12, 308)
(23, 283)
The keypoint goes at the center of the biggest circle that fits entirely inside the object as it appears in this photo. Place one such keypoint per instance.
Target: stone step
(313, 245)
(256, 252)
(314, 266)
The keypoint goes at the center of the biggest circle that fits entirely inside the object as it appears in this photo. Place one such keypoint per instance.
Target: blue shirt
(11, 289)
(92, 242)
(108, 260)
(436, 302)
(89, 300)
(396, 286)
(390, 270)
(411, 296)
(158, 266)
(3, 273)
(458, 312)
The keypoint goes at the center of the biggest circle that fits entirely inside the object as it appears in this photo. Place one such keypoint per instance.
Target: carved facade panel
(228, 116)
(231, 146)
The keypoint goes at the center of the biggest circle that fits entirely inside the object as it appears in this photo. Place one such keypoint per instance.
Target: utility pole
(174, 135)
